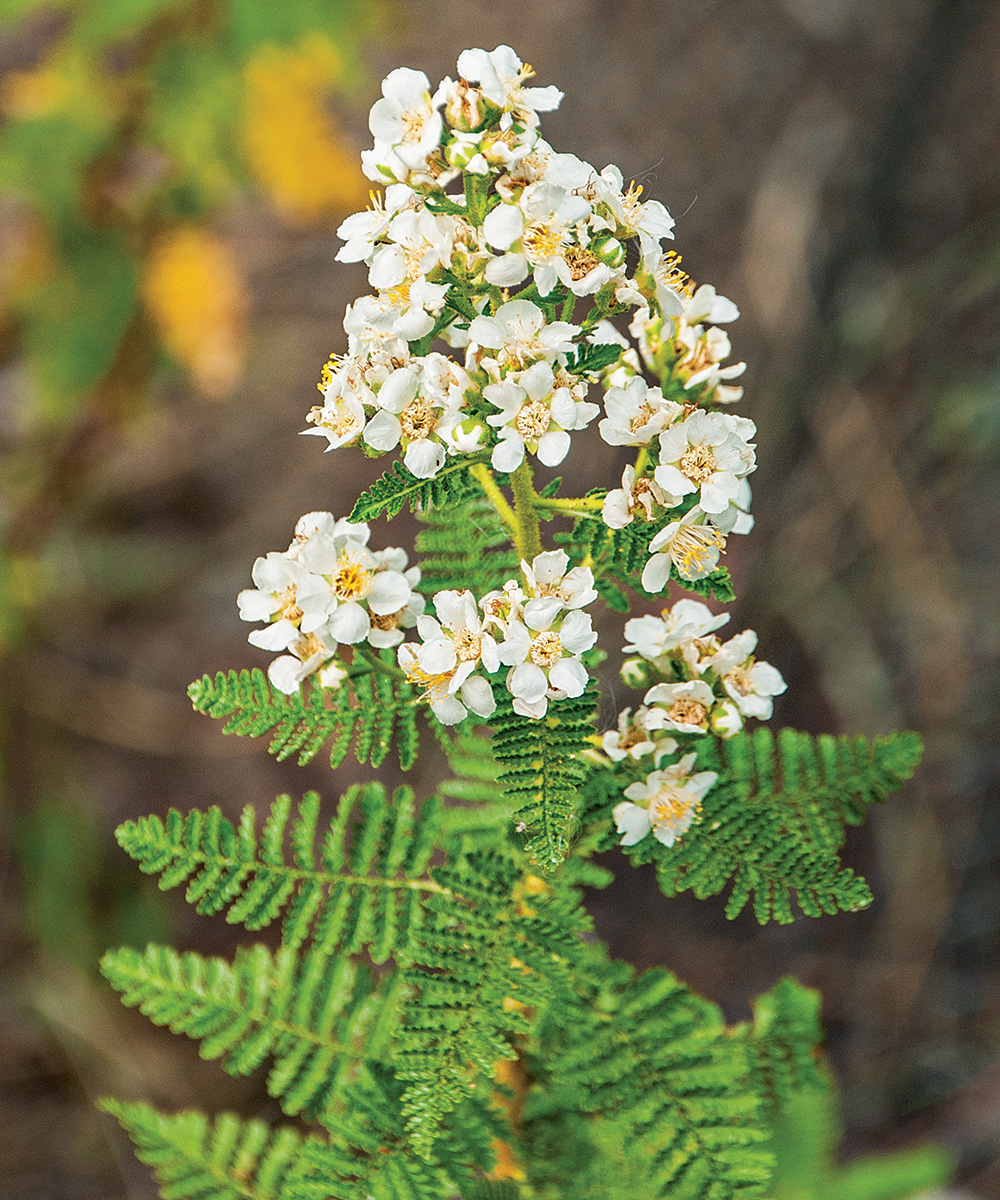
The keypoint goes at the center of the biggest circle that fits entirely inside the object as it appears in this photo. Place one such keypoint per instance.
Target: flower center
(418, 421)
(386, 623)
(633, 735)
(288, 608)
(695, 549)
(541, 240)
(668, 272)
(697, 463)
(546, 649)
(688, 712)
(533, 420)
(740, 679)
(350, 580)
(642, 417)
(468, 646)
(306, 646)
(413, 124)
(580, 261)
(670, 805)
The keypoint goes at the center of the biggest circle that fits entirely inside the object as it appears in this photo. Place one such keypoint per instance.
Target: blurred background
(171, 176)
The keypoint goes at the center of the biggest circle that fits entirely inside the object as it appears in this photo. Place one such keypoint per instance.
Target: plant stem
(571, 506)
(484, 477)
(527, 539)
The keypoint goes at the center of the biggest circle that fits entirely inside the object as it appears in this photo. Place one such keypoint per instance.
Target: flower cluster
(535, 629)
(699, 684)
(328, 587)
(476, 203)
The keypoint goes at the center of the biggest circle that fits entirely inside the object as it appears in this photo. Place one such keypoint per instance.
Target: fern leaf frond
(466, 547)
(542, 769)
(659, 1061)
(365, 884)
(485, 961)
(774, 822)
(315, 1016)
(228, 1159)
(387, 495)
(302, 722)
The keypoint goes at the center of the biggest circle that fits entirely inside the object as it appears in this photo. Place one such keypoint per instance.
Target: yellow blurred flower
(196, 296)
(304, 162)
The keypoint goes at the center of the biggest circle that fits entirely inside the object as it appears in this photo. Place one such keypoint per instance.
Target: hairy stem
(484, 477)
(527, 539)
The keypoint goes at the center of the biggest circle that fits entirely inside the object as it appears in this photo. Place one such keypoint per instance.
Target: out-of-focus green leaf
(101, 22)
(43, 161)
(194, 96)
(251, 22)
(74, 321)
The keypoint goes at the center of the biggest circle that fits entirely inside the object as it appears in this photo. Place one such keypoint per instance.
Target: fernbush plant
(438, 1012)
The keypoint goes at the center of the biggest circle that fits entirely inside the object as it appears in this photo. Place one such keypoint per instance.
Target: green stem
(375, 663)
(527, 539)
(484, 477)
(571, 506)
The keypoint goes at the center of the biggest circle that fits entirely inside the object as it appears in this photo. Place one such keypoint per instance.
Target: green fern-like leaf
(485, 958)
(450, 486)
(542, 769)
(371, 708)
(366, 890)
(482, 807)
(774, 822)
(658, 1060)
(318, 1018)
(228, 1159)
(784, 1043)
(465, 547)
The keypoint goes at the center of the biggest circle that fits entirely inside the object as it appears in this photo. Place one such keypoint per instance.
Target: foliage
(373, 709)
(774, 823)
(363, 888)
(398, 486)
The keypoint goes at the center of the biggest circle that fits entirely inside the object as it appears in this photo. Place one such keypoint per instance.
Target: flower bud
(608, 249)
(725, 721)
(635, 673)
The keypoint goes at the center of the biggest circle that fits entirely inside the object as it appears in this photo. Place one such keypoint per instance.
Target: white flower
(535, 232)
(545, 663)
(700, 362)
(417, 417)
(636, 414)
(703, 454)
(693, 547)
(749, 684)
(681, 707)
(340, 420)
(453, 647)
(405, 119)
(650, 220)
(552, 588)
(289, 596)
(501, 76)
(631, 739)
(634, 496)
(684, 622)
(308, 653)
(707, 305)
(418, 243)
(519, 331)
(535, 414)
(670, 799)
(362, 230)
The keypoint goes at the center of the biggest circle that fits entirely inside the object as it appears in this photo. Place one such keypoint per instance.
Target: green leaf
(364, 886)
(320, 1019)
(542, 769)
(451, 485)
(774, 822)
(371, 710)
(228, 1159)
